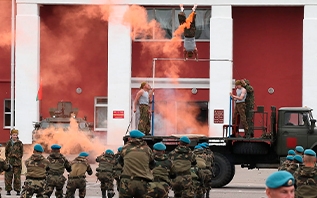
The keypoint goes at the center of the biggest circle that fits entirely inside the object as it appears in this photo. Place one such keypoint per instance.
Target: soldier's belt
(135, 178)
(76, 177)
(35, 178)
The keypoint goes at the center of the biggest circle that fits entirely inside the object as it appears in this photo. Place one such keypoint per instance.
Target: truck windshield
(296, 118)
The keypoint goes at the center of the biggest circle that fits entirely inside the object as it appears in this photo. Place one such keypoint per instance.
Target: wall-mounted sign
(218, 116)
(118, 114)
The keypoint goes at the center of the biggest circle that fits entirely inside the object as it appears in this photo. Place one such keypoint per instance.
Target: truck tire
(250, 148)
(223, 171)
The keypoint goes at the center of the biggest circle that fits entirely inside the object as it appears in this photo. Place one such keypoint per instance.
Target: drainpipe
(12, 62)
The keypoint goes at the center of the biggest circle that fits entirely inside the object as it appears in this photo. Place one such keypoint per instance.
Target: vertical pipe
(230, 108)
(153, 70)
(12, 123)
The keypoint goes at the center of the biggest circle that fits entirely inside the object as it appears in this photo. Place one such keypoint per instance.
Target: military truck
(61, 118)
(292, 126)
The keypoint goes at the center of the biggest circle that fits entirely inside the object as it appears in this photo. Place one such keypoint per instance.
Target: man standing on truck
(239, 109)
(183, 159)
(306, 176)
(249, 103)
(143, 99)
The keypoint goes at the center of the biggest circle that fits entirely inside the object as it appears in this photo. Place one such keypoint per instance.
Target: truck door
(292, 132)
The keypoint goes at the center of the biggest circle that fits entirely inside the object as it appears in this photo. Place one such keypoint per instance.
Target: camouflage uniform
(249, 105)
(144, 121)
(240, 110)
(292, 168)
(161, 185)
(14, 154)
(105, 173)
(76, 178)
(137, 160)
(209, 165)
(36, 167)
(191, 31)
(306, 182)
(201, 159)
(117, 169)
(284, 165)
(55, 177)
(182, 158)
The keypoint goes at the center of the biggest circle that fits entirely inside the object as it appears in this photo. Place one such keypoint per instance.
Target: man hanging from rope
(189, 28)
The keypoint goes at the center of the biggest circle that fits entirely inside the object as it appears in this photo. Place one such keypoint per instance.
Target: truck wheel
(223, 172)
(250, 148)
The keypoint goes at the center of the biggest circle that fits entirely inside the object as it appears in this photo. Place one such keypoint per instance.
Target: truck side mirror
(312, 126)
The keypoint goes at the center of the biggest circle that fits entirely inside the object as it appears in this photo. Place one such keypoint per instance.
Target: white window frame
(6, 113)
(103, 105)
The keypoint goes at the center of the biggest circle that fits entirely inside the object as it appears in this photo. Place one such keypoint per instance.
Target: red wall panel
(73, 54)
(267, 50)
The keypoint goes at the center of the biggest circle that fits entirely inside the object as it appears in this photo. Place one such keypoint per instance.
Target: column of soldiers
(301, 164)
(151, 174)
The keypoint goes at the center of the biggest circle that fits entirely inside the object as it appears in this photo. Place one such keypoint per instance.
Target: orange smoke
(181, 28)
(5, 21)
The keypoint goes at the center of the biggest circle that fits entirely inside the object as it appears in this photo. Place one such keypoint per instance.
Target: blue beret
(56, 146)
(38, 148)
(310, 152)
(159, 146)
(185, 139)
(299, 149)
(120, 148)
(136, 134)
(291, 152)
(204, 145)
(109, 151)
(198, 146)
(83, 154)
(298, 158)
(290, 158)
(279, 179)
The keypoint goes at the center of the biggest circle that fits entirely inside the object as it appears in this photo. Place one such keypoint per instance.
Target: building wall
(73, 55)
(267, 50)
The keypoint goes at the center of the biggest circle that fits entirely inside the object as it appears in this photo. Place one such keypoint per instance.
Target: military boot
(207, 194)
(103, 193)
(110, 193)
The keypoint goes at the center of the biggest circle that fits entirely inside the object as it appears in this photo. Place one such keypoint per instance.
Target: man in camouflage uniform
(197, 177)
(297, 162)
(190, 48)
(14, 154)
(183, 159)
(76, 178)
(239, 109)
(210, 158)
(287, 162)
(285, 165)
(143, 99)
(117, 169)
(159, 188)
(306, 176)
(55, 177)
(36, 168)
(105, 173)
(137, 160)
(249, 104)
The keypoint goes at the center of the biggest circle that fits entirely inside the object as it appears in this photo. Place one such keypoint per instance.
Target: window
(168, 21)
(294, 119)
(101, 114)
(7, 113)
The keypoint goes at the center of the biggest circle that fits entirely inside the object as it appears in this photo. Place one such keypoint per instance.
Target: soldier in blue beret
(280, 185)
(136, 134)
(291, 152)
(76, 178)
(307, 175)
(117, 169)
(184, 139)
(55, 175)
(36, 171)
(161, 173)
(198, 147)
(299, 150)
(209, 163)
(106, 162)
(290, 158)
(298, 159)
(296, 162)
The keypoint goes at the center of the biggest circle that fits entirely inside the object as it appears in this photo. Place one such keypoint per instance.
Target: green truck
(290, 126)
